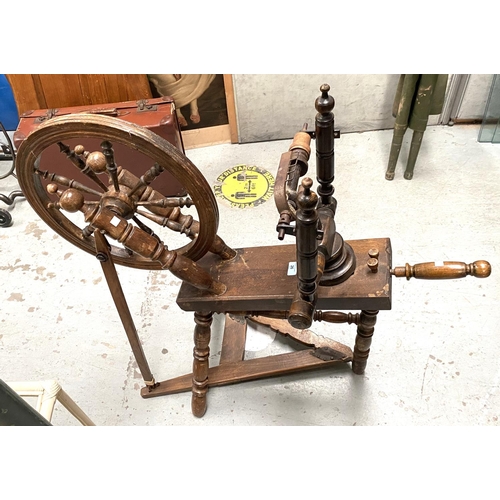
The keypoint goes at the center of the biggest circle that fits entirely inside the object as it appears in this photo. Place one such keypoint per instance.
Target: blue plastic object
(9, 115)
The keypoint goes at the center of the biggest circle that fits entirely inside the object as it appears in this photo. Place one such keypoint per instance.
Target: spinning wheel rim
(135, 137)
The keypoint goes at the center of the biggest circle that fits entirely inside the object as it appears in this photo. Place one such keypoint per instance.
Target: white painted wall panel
(271, 107)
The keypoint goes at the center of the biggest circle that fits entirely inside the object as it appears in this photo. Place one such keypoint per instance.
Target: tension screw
(373, 253)
(373, 265)
(101, 257)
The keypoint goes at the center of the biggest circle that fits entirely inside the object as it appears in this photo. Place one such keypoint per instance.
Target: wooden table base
(233, 368)
(257, 281)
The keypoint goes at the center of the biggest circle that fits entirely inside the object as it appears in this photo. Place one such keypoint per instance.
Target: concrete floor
(434, 358)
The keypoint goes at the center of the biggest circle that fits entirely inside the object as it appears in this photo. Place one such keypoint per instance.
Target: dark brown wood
(364, 334)
(304, 301)
(233, 342)
(252, 369)
(325, 159)
(201, 352)
(274, 289)
(109, 270)
(336, 317)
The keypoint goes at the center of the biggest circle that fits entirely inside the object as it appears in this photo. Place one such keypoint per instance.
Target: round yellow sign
(245, 186)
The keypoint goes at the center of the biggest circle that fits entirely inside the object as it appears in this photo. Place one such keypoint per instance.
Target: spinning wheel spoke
(80, 164)
(184, 228)
(147, 178)
(145, 228)
(172, 202)
(64, 181)
(109, 154)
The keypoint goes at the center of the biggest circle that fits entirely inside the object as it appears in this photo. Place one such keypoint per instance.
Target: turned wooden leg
(366, 327)
(201, 351)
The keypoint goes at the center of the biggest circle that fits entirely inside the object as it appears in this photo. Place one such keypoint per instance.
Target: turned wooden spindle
(302, 307)
(148, 178)
(166, 222)
(201, 352)
(64, 181)
(336, 317)
(325, 160)
(80, 164)
(447, 270)
(364, 334)
(170, 202)
(107, 149)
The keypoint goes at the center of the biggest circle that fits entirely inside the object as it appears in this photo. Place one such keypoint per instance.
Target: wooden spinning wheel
(331, 275)
(100, 178)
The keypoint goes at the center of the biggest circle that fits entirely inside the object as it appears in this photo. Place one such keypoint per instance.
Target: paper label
(292, 269)
(115, 221)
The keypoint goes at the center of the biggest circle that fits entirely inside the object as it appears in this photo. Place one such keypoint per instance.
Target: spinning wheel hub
(119, 202)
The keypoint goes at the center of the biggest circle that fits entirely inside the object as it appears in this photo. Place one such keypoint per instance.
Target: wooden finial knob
(79, 149)
(52, 188)
(481, 269)
(96, 161)
(307, 183)
(307, 199)
(71, 200)
(325, 103)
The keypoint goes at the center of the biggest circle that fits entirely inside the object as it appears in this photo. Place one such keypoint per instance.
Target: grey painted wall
(272, 107)
(476, 95)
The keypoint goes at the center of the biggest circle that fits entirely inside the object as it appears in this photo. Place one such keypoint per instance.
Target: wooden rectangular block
(257, 280)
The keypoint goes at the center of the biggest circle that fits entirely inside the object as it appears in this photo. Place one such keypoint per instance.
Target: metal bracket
(327, 354)
(47, 116)
(142, 105)
(312, 134)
